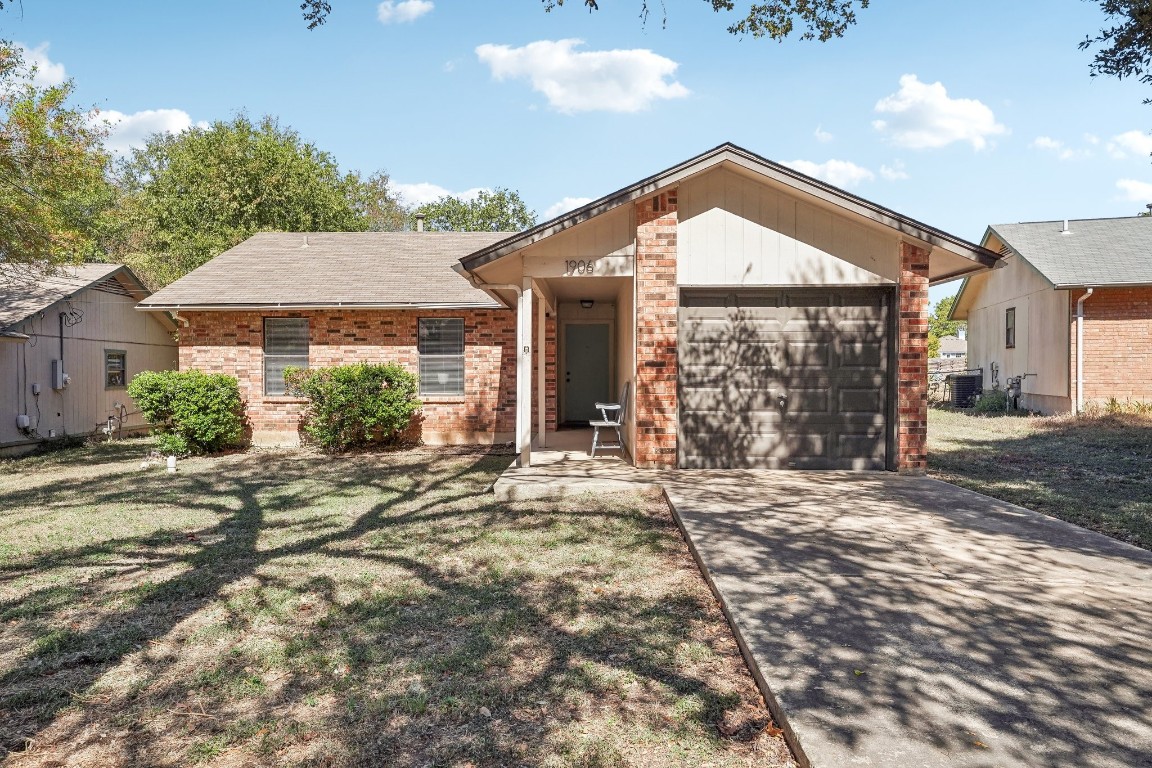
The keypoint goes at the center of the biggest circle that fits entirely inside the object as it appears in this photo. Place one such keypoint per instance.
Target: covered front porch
(576, 347)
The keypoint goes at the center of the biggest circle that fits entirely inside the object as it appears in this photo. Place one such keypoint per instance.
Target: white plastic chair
(613, 416)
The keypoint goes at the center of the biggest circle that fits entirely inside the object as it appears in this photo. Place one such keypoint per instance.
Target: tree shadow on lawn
(303, 610)
(978, 631)
(1092, 471)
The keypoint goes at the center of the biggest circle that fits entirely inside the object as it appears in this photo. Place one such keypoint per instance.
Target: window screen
(1010, 327)
(285, 344)
(441, 349)
(115, 368)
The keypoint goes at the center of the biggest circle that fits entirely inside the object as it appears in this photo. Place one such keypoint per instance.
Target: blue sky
(959, 114)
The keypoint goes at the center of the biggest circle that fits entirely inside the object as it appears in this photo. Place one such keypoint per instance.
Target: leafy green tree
(375, 203)
(500, 210)
(821, 19)
(188, 197)
(53, 190)
(1127, 42)
(940, 326)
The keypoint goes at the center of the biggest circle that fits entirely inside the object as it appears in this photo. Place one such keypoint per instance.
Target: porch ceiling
(595, 288)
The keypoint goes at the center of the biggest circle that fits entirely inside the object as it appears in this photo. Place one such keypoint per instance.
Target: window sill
(283, 399)
(435, 399)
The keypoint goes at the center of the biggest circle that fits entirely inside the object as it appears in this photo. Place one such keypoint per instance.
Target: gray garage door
(784, 379)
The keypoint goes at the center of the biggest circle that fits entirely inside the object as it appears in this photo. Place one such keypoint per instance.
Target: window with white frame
(441, 348)
(285, 345)
(1010, 328)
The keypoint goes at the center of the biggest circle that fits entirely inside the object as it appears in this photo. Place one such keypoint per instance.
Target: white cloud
(1135, 191)
(48, 72)
(392, 12)
(565, 205)
(128, 131)
(922, 116)
(840, 173)
(1130, 143)
(894, 172)
(424, 192)
(1058, 148)
(1092, 138)
(586, 81)
(822, 135)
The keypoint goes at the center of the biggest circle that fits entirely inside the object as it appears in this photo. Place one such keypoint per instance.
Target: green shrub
(992, 401)
(193, 411)
(351, 406)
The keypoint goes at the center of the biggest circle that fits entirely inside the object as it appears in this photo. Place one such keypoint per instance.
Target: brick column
(656, 308)
(912, 376)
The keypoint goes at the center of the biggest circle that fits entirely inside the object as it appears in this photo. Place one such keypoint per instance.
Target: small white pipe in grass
(171, 464)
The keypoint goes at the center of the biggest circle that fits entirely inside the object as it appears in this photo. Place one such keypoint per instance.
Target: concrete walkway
(905, 622)
(899, 621)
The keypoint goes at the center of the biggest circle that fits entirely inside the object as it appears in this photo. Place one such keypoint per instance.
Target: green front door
(586, 374)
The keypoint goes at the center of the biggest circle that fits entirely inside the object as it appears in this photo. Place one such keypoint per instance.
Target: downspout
(523, 368)
(1080, 351)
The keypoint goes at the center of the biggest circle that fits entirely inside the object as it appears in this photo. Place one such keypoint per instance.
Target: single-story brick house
(761, 318)
(1070, 312)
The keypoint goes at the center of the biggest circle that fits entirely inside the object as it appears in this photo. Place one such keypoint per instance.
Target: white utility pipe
(1080, 351)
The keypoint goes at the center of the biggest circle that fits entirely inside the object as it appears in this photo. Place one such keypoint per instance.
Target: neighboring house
(759, 316)
(953, 348)
(69, 344)
(1060, 279)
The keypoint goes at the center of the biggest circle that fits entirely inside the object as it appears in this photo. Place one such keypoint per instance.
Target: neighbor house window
(441, 348)
(115, 368)
(285, 344)
(1010, 328)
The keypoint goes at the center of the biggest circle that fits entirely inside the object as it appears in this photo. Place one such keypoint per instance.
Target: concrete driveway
(904, 622)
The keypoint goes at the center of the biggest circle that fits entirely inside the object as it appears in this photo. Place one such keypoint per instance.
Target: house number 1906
(580, 267)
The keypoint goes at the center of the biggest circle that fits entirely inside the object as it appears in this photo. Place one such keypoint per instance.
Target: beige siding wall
(626, 353)
(737, 231)
(607, 240)
(109, 321)
(1041, 332)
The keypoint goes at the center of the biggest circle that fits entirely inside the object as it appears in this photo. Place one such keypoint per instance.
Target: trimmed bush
(352, 406)
(192, 411)
(991, 402)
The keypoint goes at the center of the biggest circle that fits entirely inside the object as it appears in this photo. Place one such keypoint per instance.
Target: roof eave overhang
(729, 153)
(309, 306)
(1076, 286)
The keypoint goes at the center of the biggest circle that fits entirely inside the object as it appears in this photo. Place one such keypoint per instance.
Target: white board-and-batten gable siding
(608, 239)
(108, 321)
(1043, 319)
(736, 230)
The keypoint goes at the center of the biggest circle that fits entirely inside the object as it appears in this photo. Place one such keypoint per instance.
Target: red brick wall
(656, 308)
(232, 343)
(1117, 344)
(912, 353)
(549, 372)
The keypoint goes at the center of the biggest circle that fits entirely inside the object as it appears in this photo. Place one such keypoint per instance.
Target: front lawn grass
(285, 608)
(1094, 471)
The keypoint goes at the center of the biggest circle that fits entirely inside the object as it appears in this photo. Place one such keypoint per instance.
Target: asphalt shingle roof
(24, 292)
(1095, 252)
(334, 269)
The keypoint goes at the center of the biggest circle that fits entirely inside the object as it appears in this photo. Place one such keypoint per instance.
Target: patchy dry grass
(1091, 471)
(293, 609)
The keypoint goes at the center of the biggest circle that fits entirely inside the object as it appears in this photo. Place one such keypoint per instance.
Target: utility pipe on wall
(1080, 351)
